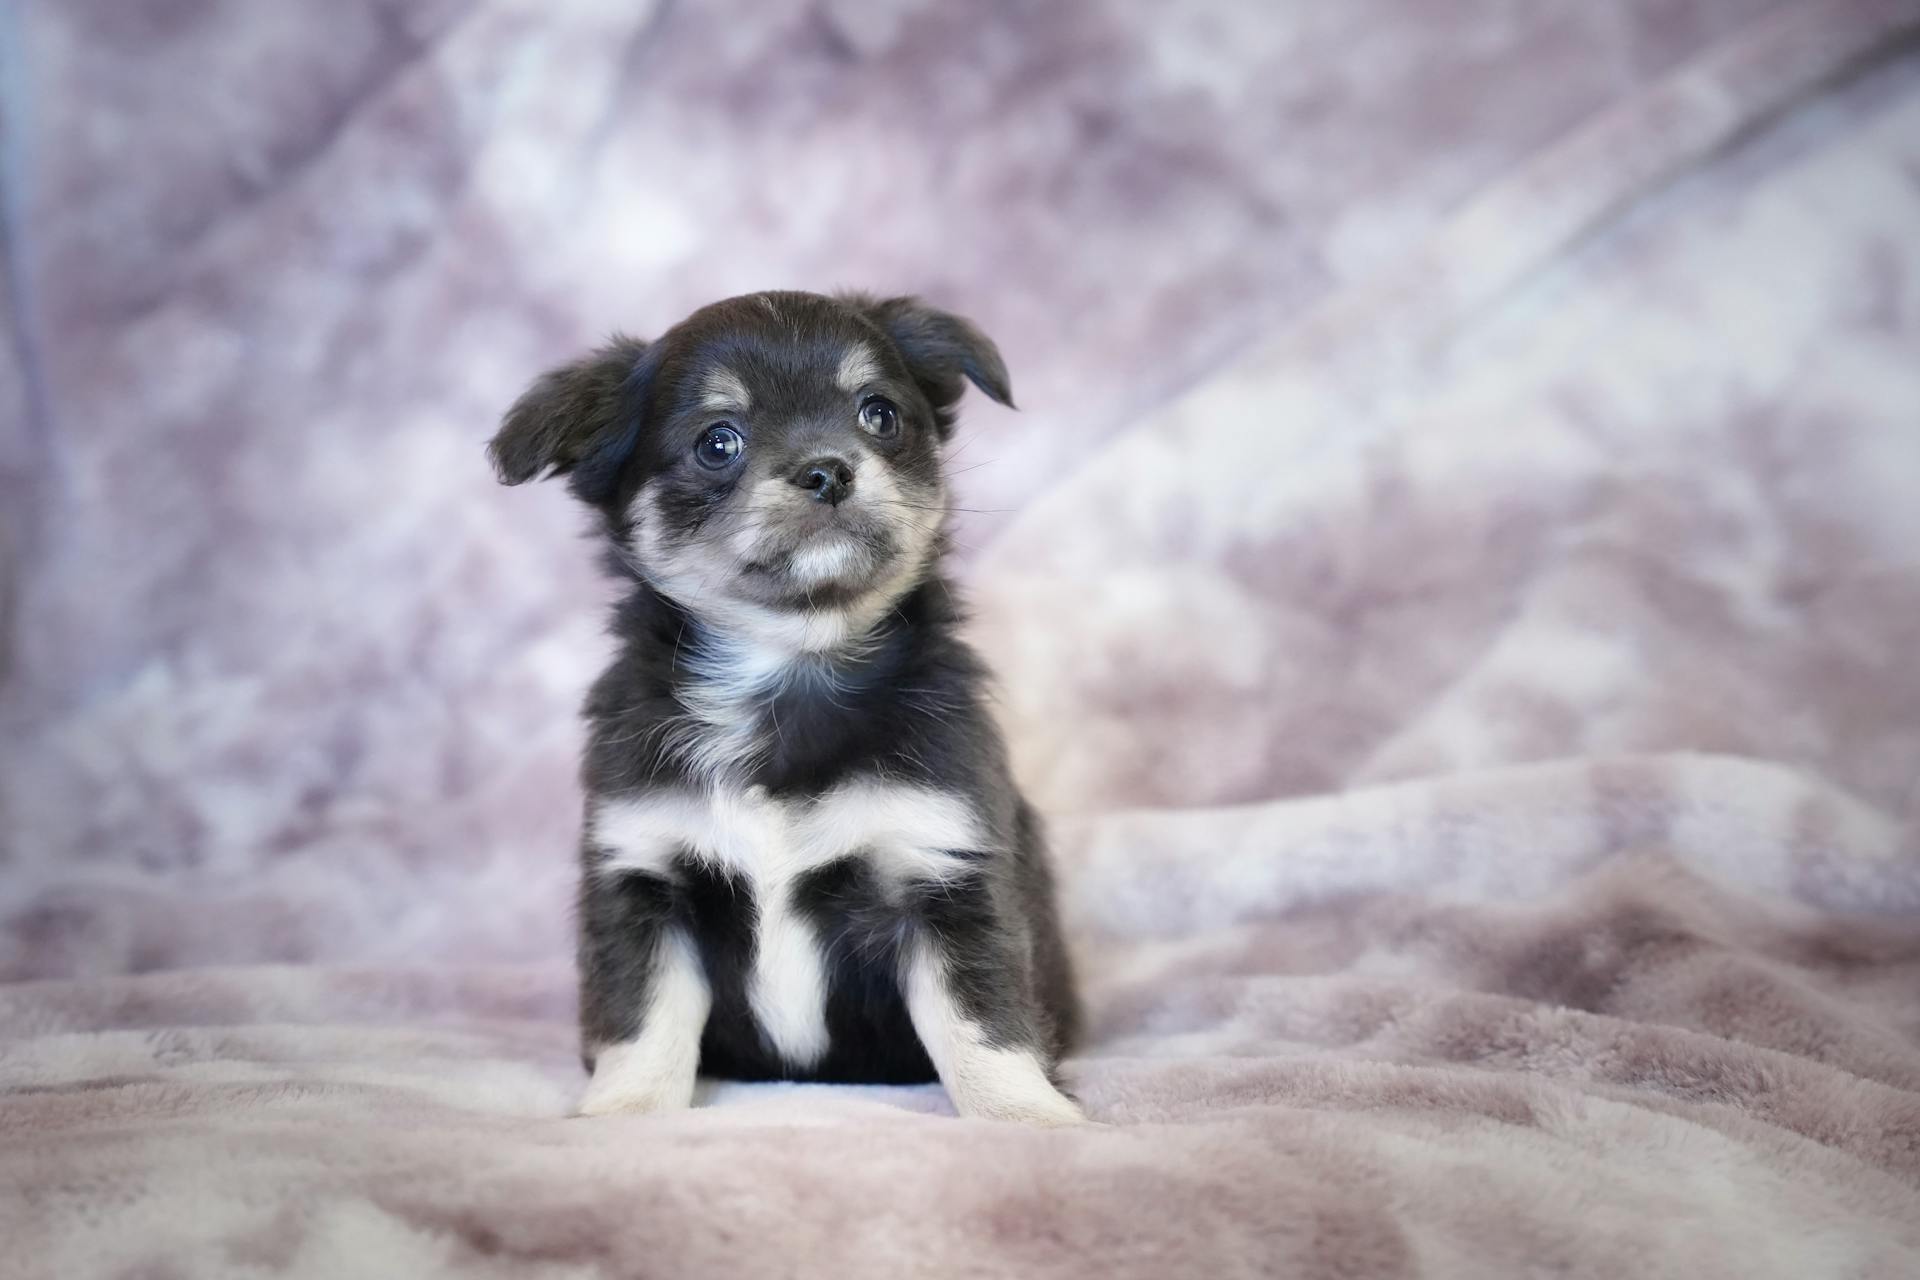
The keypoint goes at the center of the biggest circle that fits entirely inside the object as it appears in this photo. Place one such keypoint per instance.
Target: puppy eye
(719, 448)
(879, 417)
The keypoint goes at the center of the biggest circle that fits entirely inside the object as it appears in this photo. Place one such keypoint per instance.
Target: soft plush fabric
(1454, 582)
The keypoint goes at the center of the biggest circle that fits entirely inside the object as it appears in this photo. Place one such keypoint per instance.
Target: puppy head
(773, 462)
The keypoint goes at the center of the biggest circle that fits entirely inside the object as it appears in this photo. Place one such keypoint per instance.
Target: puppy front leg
(644, 999)
(972, 1009)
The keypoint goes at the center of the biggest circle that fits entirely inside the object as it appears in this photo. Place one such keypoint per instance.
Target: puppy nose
(829, 480)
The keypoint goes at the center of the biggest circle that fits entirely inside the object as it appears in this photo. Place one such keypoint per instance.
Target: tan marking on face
(723, 390)
(858, 367)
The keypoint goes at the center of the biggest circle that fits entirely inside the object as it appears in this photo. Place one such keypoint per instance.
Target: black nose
(829, 480)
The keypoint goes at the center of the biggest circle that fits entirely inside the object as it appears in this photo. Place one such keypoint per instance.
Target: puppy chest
(782, 892)
(906, 833)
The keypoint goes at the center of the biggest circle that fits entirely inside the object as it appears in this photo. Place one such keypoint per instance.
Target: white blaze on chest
(905, 833)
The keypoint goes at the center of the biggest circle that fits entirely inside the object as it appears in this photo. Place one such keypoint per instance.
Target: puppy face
(791, 464)
(773, 462)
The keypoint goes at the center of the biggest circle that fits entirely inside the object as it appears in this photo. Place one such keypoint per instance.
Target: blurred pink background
(289, 677)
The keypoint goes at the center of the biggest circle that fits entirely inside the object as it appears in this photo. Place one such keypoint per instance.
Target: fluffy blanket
(1455, 584)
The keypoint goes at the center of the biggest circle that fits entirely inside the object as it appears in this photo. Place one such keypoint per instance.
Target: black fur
(903, 699)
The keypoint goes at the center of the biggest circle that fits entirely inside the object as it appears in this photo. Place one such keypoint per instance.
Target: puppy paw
(1011, 1085)
(629, 1085)
(620, 1101)
(1055, 1112)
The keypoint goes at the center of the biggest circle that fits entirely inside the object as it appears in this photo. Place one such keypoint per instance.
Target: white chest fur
(907, 833)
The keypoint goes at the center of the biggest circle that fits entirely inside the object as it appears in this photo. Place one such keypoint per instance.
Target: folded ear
(580, 420)
(940, 349)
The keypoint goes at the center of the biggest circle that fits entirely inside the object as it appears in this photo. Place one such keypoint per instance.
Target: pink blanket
(1455, 586)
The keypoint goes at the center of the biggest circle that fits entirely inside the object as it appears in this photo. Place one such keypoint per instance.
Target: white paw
(1052, 1111)
(1009, 1084)
(629, 1081)
(623, 1100)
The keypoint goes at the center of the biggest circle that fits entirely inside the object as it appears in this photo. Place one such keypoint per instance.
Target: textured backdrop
(290, 678)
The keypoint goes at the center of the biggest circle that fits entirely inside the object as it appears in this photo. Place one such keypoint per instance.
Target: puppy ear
(580, 420)
(940, 349)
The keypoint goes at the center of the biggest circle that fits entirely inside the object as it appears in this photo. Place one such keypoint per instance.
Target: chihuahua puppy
(803, 855)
